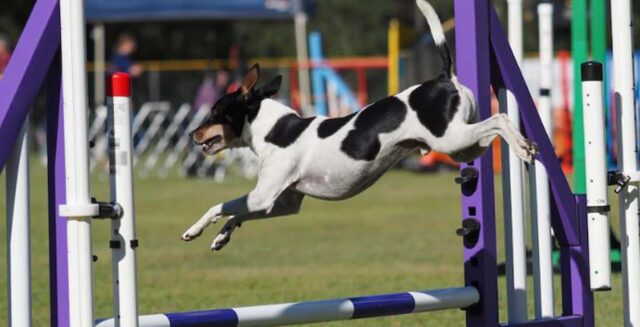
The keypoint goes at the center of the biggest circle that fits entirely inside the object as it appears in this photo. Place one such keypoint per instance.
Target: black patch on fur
(436, 102)
(233, 109)
(287, 130)
(252, 109)
(329, 126)
(384, 116)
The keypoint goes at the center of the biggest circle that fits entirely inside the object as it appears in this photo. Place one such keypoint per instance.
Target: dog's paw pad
(527, 151)
(532, 147)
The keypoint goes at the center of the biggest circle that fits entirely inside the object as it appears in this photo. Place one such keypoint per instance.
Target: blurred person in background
(121, 60)
(5, 53)
(211, 89)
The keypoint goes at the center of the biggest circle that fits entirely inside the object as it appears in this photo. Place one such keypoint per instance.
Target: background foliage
(349, 28)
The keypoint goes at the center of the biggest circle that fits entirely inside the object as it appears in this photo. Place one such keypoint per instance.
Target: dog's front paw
(224, 236)
(192, 233)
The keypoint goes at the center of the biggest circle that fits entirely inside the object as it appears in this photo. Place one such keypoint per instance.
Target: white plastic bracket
(78, 210)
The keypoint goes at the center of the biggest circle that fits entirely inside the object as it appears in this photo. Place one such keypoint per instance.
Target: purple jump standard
(485, 60)
(34, 61)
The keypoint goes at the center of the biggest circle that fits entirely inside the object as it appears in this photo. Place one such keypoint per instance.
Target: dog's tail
(437, 33)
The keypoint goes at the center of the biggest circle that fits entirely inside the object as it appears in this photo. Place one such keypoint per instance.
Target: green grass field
(397, 236)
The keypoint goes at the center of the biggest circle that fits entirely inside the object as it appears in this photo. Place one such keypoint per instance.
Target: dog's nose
(191, 133)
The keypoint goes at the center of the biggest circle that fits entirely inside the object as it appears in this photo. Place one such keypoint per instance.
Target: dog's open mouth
(212, 145)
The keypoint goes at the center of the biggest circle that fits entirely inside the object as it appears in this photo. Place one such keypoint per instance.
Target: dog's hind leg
(473, 139)
(288, 203)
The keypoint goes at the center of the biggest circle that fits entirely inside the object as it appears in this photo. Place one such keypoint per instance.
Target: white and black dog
(337, 158)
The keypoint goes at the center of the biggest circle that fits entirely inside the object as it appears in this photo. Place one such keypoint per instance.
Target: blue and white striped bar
(316, 311)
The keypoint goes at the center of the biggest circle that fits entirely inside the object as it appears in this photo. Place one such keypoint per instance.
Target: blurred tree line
(348, 27)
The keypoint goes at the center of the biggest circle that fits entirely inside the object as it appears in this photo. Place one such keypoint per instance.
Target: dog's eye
(228, 118)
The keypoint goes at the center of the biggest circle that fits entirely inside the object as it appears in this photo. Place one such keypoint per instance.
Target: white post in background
(78, 208)
(622, 40)
(123, 236)
(596, 172)
(541, 243)
(515, 248)
(300, 22)
(18, 241)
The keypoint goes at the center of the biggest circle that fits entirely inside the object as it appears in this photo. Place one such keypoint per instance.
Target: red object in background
(4, 62)
(434, 159)
(119, 85)
(562, 132)
(233, 86)
(362, 86)
(294, 89)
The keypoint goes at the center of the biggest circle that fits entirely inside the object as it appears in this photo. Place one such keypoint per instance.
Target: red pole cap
(119, 85)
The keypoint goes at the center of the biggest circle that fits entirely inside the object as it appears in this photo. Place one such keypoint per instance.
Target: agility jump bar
(316, 311)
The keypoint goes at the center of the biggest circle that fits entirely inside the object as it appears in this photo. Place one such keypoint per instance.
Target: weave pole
(123, 236)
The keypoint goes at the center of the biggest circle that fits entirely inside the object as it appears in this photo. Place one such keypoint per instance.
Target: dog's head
(234, 112)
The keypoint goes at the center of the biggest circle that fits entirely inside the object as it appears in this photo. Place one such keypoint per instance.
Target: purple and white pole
(78, 208)
(316, 311)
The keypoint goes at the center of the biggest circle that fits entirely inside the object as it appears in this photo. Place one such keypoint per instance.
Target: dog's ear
(250, 79)
(272, 87)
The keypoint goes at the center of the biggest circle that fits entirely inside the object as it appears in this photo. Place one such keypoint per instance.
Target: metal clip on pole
(470, 231)
(618, 179)
(469, 226)
(467, 175)
(109, 210)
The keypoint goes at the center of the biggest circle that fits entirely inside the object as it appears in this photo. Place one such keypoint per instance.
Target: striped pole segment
(316, 311)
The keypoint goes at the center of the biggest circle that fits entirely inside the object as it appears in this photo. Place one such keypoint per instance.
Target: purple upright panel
(566, 227)
(472, 47)
(565, 321)
(26, 71)
(58, 273)
(577, 298)
(569, 220)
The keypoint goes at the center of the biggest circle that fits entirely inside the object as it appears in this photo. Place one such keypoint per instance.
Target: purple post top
(26, 71)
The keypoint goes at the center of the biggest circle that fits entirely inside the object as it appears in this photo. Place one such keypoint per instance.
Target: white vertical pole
(596, 173)
(622, 40)
(540, 210)
(302, 55)
(123, 237)
(19, 245)
(332, 97)
(78, 208)
(516, 258)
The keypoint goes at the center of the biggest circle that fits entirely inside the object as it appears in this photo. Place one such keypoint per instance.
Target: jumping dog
(337, 158)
